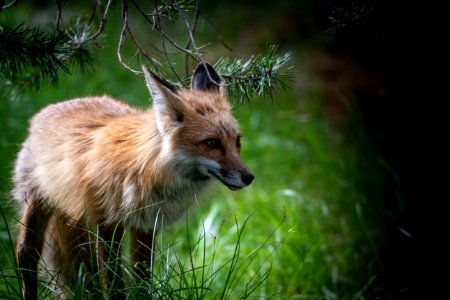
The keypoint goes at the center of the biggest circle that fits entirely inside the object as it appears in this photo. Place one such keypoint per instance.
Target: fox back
(98, 161)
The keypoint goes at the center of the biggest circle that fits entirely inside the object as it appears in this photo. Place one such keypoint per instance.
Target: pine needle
(258, 76)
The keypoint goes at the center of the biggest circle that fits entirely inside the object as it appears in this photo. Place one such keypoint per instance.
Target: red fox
(97, 165)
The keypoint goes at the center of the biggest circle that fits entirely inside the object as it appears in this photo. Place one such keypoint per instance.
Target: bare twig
(123, 36)
(159, 29)
(194, 46)
(6, 6)
(58, 15)
(151, 23)
(194, 23)
(101, 26)
(147, 55)
(214, 26)
(164, 35)
(97, 6)
(191, 35)
(188, 42)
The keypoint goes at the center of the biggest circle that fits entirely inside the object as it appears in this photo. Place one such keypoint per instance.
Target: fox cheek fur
(97, 165)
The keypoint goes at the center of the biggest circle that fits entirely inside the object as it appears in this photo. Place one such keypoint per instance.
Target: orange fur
(90, 163)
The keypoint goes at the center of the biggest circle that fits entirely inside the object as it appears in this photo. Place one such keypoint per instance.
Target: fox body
(91, 163)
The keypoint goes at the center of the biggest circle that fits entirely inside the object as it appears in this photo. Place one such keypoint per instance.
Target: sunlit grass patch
(221, 263)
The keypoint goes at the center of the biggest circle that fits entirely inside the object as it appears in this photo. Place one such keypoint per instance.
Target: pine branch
(258, 76)
(80, 54)
(22, 48)
(30, 55)
(170, 9)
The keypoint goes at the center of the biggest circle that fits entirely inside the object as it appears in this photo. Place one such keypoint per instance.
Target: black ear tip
(204, 65)
(205, 78)
(150, 75)
(165, 83)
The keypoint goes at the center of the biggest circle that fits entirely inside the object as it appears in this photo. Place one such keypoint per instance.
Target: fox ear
(205, 78)
(168, 105)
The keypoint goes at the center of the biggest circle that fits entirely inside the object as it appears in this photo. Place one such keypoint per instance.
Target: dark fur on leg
(141, 252)
(33, 224)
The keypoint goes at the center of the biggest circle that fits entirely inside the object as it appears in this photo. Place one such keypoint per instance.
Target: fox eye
(213, 143)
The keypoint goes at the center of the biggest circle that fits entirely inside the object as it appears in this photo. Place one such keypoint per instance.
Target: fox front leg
(109, 252)
(33, 224)
(141, 252)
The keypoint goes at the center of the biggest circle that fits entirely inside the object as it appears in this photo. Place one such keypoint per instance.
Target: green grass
(307, 228)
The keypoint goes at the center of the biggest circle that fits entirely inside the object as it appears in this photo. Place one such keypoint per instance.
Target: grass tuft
(206, 271)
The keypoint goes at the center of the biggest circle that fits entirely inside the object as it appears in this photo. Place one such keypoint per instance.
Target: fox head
(198, 128)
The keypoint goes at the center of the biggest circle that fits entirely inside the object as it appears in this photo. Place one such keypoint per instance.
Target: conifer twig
(32, 49)
(101, 26)
(22, 48)
(258, 76)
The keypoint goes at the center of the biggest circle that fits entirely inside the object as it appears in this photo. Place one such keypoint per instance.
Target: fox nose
(247, 178)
